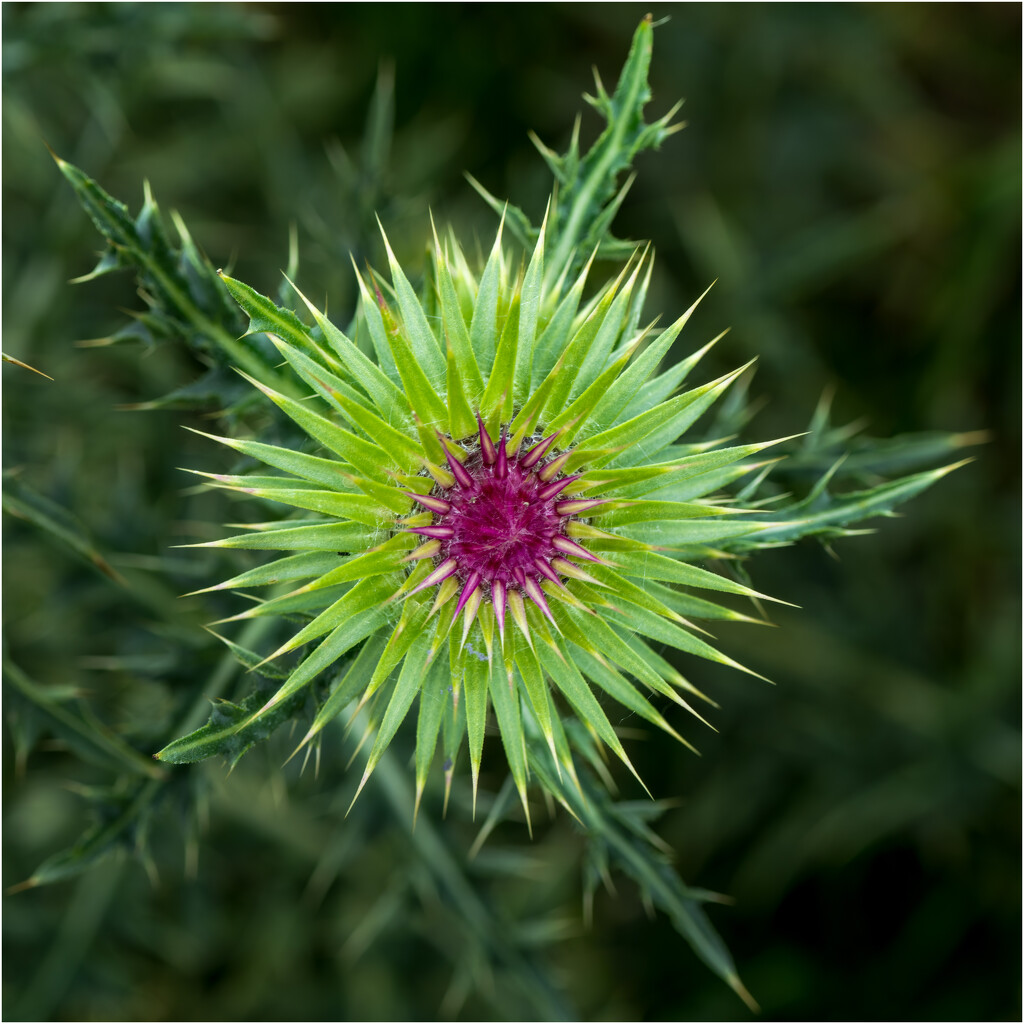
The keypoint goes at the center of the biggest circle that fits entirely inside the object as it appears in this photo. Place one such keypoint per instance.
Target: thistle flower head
(504, 510)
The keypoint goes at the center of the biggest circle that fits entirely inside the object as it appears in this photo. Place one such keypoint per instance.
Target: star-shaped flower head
(505, 513)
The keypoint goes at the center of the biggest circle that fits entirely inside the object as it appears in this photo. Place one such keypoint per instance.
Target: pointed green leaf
(368, 593)
(294, 567)
(460, 348)
(379, 562)
(621, 393)
(649, 565)
(620, 689)
(571, 359)
(666, 421)
(345, 636)
(461, 421)
(366, 457)
(325, 536)
(360, 508)
(483, 330)
(389, 399)
(409, 683)
(326, 472)
(686, 532)
(421, 339)
(596, 355)
(348, 685)
(475, 694)
(435, 701)
(529, 309)
(576, 691)
(642, 511)
(555, 336)
(498, 394)
(506, 711)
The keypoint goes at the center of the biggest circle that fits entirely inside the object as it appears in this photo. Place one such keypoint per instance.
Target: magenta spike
(440, 532)
(501, 463)
(472, 583)
(551, 489)
(537, 596)
(487, 448)
(439, 575)
(438, 505)
(519, 575)
(498, 600)
(554, 467)
(575, 506)
(545, 569)
(461, 474)
(570, 547)
(536, 453)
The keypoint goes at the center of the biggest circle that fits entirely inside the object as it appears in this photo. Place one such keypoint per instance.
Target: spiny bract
(505, 513)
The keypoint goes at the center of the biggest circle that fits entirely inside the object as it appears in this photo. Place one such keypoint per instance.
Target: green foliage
(587, 196)
(498, 937)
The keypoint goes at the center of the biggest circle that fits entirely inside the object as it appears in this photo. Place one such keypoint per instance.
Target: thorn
(537, 596)
(545, 569)
(462, 477)
(575, 528)
(441, 476)
(487, 448)
(416, 519)
(487, 628)
(362, 782)
(472, 584)
(551, 489)
(444, 594)
(536, 453)
(440, 532)
(570, 547)
(440, 574)
(498, 595)
(574, 507)
(438, 505)
(448, 774)
(566, 597)
(554, 467)
(427, 550)
(416, 802)
(575, 572)
(305, 739)
(501, 460)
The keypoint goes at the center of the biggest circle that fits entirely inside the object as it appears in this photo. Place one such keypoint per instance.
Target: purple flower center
(500, 528)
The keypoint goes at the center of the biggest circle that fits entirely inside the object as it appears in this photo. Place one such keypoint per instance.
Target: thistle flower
(505, 476)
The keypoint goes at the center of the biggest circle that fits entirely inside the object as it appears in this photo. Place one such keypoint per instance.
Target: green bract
(530, 358)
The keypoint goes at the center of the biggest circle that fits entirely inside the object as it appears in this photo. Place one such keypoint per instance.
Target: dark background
(851, 177)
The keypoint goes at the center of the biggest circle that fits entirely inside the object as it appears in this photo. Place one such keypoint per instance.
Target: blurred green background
(851, 176)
